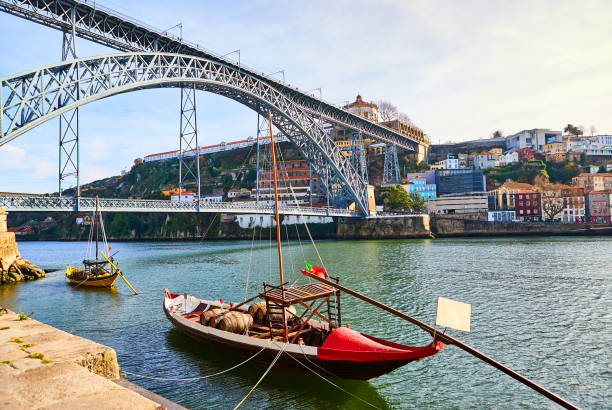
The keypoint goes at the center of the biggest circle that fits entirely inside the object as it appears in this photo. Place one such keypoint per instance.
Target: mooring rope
(193, 378)
(334, 384)
(263, 375)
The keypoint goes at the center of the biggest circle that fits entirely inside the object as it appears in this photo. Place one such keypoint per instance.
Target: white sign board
(452, 313)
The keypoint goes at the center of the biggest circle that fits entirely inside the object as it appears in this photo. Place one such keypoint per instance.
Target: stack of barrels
(230, 321)
(259, 313)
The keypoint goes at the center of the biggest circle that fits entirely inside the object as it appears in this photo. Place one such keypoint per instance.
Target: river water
(540, 305)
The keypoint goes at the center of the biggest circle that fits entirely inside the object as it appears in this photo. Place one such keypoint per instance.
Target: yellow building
(437, 165)
(171, 191)
(496, 151)
(504, 195)
(413, 132)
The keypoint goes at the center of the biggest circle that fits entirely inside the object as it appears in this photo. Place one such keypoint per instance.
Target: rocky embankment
(14, 268)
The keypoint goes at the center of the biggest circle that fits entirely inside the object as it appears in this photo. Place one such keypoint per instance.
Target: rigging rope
(307, 229)
(246, 286)
(334, 384)
(193, 378)
(263, 375)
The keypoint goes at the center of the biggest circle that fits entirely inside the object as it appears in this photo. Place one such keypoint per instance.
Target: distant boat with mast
(100, 273)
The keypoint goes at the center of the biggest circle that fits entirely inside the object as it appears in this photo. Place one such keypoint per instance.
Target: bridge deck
(67, 204)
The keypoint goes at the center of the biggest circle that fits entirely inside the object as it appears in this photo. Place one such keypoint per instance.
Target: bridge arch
(30, 98)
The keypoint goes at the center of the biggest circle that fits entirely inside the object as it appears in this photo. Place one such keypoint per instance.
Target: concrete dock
(42, 367)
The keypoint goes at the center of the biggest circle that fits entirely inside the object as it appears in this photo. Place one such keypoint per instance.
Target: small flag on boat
(313, 269)
(109, 248)
(452, 313)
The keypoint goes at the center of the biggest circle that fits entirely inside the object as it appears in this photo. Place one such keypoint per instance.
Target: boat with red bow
(281, 327)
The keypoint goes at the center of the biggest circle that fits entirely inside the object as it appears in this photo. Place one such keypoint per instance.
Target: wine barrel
(258, 312)
(209, 314)
(235, 322)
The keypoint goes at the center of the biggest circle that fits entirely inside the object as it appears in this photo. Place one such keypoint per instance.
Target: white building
(369, 111)
(534, 139)
(248, 221)
(485, 160)
(212, 198)
(186, 196)
(508, 158)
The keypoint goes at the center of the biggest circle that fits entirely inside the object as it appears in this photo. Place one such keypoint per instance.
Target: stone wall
(405, 226)
(8, 245)
(13, 268)
(449, 227)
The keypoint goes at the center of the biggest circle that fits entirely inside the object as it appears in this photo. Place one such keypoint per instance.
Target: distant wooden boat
(92, 275)
(95, 272)
(272, 331)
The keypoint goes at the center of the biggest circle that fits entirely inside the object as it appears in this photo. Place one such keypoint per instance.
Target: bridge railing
(70, 204)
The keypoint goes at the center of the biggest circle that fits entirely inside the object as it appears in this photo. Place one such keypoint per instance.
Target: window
(521, 203)
(521, 212)
(521, 196)
(528, 203)
(528, 211)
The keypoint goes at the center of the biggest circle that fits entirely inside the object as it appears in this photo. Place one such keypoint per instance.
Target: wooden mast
(278, 234)
(94, 221)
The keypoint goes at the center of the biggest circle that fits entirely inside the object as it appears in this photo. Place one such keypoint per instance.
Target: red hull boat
(343, 353)
(272, 331)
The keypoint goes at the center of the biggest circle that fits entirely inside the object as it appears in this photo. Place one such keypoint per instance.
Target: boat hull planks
(244, 346)
(103, 281)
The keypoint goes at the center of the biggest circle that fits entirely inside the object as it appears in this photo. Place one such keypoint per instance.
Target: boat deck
(302, 293)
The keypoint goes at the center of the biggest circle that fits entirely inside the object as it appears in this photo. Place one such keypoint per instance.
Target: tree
(138, 161)
(416, 203)
(497, 134)
(386, 111)
(402, 116)
(573, 130)
(397, 198)
(551, 206)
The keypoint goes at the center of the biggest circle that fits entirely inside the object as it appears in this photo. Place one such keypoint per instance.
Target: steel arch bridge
(156, 59)
(33, 97)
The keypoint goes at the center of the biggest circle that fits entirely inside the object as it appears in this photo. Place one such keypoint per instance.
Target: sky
(460, 70)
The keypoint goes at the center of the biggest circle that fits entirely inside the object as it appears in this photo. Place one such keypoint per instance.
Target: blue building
(419, 184)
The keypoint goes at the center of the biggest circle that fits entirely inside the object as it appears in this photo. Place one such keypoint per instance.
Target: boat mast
(94, 221)
(278, 234)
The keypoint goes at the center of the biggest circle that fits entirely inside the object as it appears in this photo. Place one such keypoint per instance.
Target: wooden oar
(451, 340)
(119, 272)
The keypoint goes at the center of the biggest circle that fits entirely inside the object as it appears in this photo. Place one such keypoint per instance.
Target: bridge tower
(358, 155)
(69, 121)
(189, 149)
(391, 173)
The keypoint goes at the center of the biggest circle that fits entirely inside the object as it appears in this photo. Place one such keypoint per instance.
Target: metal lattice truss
(69, 123)
(107, 27)
(189, 165)
(30, 98)
(67, 204)
(391, 174)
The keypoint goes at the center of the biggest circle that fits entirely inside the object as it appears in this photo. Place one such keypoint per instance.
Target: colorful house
(502, 198)
(419, 184)
(598, 207)
(528, 205)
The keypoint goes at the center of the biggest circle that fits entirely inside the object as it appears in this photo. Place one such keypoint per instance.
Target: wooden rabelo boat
(95, 272)
(271, 329)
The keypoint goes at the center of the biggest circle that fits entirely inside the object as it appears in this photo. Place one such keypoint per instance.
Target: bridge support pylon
(69, 122)
(189, 149)
(391, 173)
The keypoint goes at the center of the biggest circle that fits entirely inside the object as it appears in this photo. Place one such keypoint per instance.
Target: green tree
(397, 198)
(572, 129)
(416, 203)
(497, 134)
